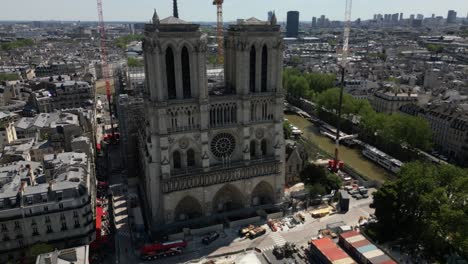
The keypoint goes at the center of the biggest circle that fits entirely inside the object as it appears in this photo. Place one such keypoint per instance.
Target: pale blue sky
(202, 10)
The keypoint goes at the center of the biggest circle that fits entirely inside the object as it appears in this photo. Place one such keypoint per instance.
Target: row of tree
(9, 77)
(425, 209)
(134, 62)
(16, 44)
(395, 129)
(307, 85)
(123, 41)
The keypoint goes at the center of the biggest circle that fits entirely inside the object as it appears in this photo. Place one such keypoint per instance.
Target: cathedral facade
(208, 152)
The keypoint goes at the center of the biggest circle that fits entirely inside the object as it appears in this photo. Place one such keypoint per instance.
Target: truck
(256, 232)
(244, 231)
(160, 250)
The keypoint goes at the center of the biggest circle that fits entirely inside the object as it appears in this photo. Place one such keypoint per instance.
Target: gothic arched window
(186, 73)
(190, 158)
(264, 68)
(170, 74)
(253, 147)
(176, 160)
(264, 147)
(253, 57)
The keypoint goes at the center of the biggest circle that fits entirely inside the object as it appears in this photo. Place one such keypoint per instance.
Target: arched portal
(228, 198)
(188, 208)
(263, 194)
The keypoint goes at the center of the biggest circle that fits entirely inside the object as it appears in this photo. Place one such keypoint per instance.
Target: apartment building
(67, 94)
(56, 209)
(390, 102)
(7, 128)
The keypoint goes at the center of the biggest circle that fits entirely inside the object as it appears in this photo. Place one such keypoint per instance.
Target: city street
(230, 242)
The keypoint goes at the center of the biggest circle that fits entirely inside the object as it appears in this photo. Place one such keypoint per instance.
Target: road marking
(278, 239)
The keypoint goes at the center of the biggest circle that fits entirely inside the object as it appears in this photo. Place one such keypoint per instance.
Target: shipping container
(380, 259)
(325, 251)
(362, 249)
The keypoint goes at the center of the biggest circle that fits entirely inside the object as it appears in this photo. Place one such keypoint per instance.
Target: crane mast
(219, 30)
(343, 64)
(105, 66)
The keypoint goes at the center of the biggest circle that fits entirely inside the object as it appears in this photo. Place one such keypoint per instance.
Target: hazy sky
(202, 10)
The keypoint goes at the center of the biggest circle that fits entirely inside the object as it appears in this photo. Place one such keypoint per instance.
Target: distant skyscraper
(401, 16)
(451, 17)
(420, 17)
(375, 16)
(395, 18)
(321, 21)
(292, 26)
(411, 17)
(314, 22)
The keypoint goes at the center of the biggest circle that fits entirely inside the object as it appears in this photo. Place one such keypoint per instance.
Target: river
(350, 156)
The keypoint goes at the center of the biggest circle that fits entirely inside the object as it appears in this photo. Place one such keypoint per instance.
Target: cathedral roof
(173, 20)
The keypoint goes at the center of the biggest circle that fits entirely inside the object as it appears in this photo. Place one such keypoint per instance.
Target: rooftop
(78, 255)
(23, 183)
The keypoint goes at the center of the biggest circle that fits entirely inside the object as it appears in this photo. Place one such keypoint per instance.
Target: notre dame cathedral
(207, 152)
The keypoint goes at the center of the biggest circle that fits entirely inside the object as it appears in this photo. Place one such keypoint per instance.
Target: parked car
(363, 190)
(210, 238)
(353, 192)
(358, 196)
(365, 195)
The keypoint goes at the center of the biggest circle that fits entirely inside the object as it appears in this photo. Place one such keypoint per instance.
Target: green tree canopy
(287, 131)
(426, 207)
(306, 85)
(123, 41)
(395, 128)
(436, 49)
(9, 77)
(16, 44)
(313, 176)
(134, 62)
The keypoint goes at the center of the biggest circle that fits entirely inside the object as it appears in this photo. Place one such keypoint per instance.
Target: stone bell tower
(207, 154)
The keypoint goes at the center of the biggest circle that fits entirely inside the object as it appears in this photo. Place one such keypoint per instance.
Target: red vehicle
(158, 250)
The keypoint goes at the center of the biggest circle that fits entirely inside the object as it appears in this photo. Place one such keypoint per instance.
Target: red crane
(105, 66)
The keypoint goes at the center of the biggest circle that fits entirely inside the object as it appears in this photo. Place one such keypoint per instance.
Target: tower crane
(105, 66)
(219, 34)
(343, 64)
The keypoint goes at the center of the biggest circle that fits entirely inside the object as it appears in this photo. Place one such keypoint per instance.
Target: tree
(9, 77)
(425, 208)
(329, 100)
(435, 49)
(317, 178)
(123, 41)
(287, 131)
(134, 62)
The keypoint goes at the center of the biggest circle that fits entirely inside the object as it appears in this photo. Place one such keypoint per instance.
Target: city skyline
(120, 10)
